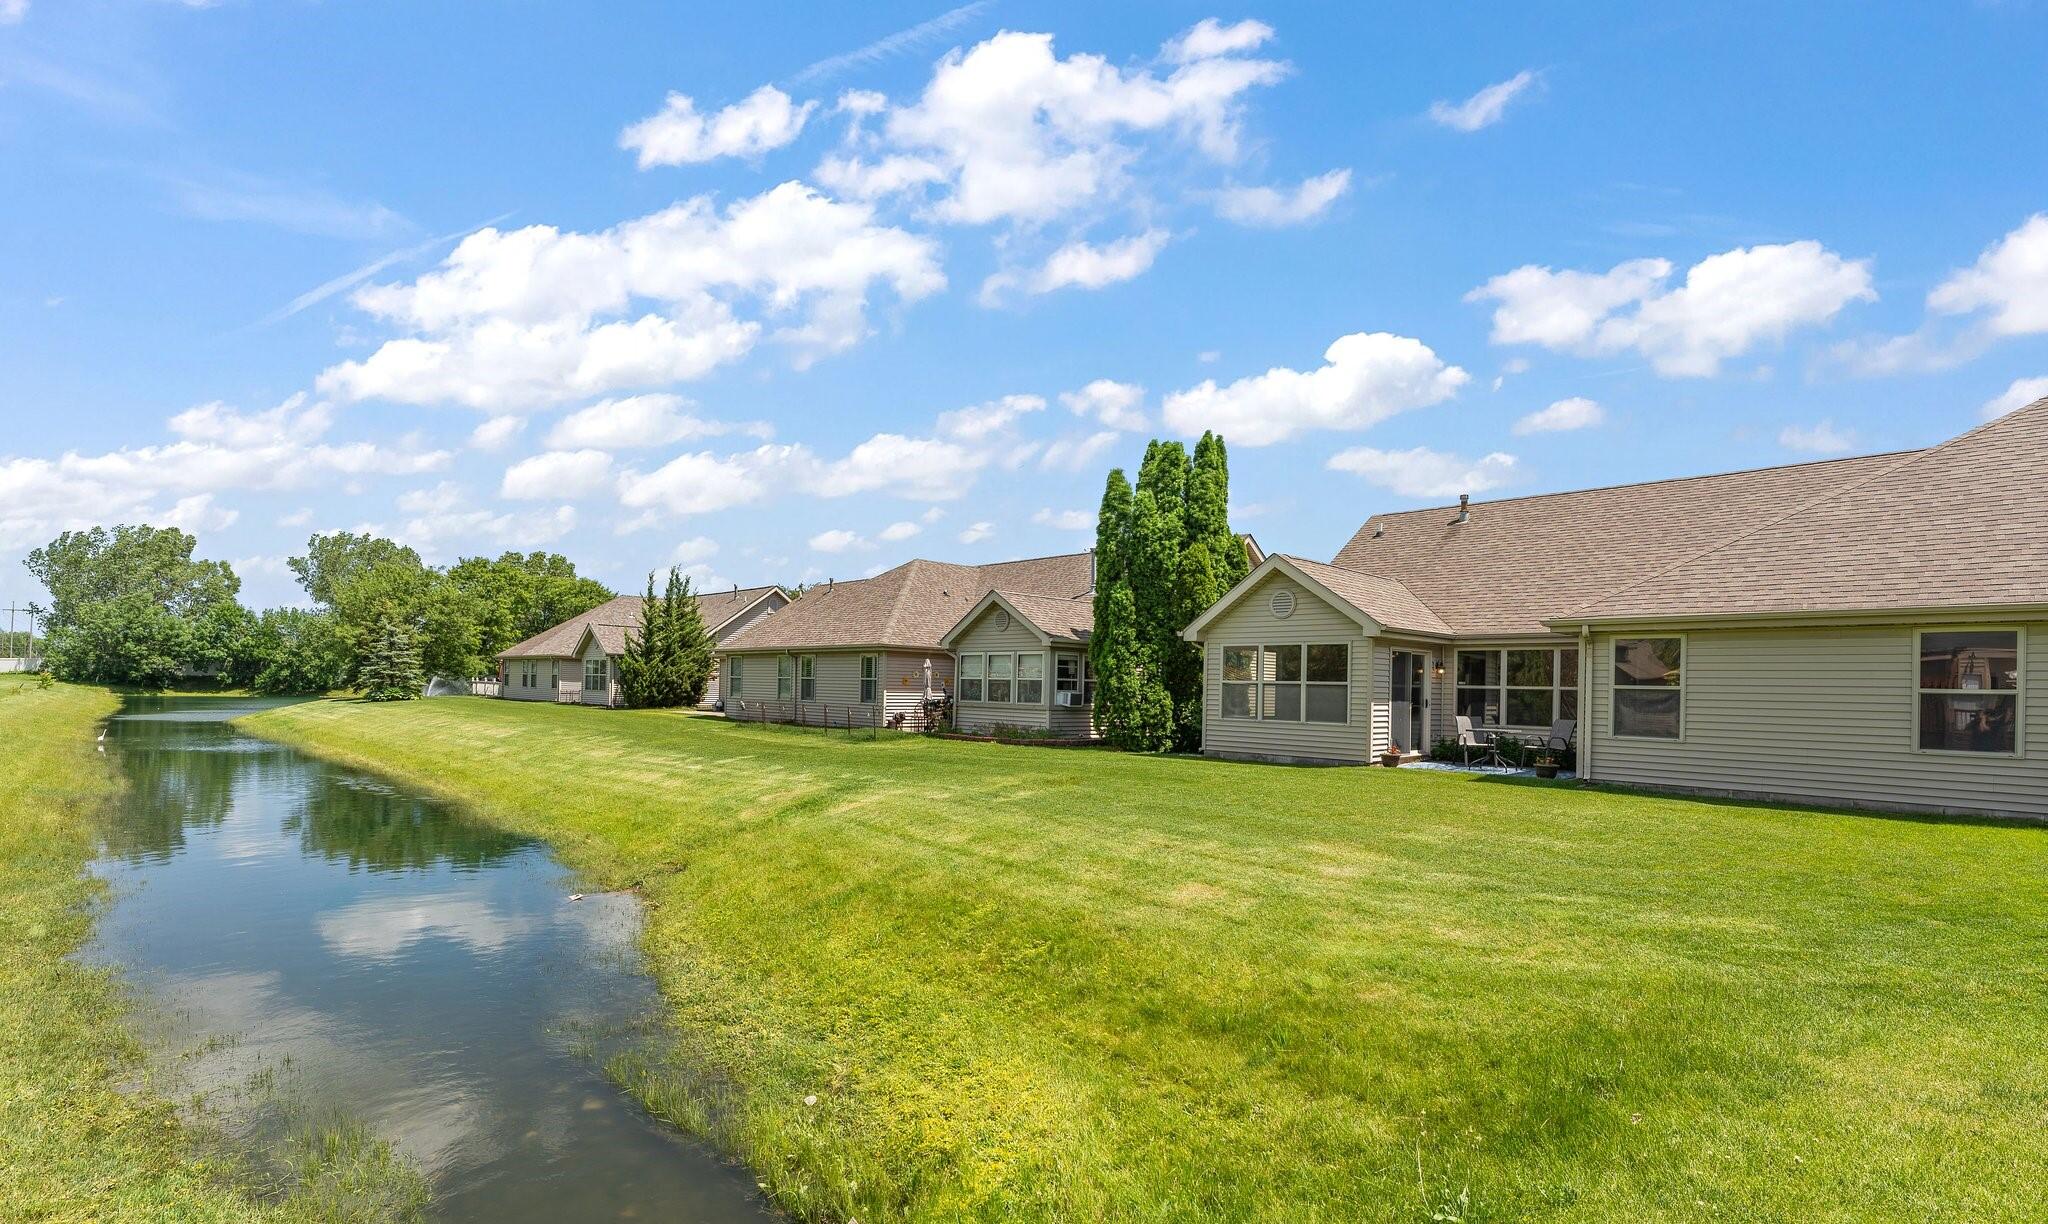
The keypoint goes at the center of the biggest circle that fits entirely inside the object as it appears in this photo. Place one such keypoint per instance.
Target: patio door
(1410, 715)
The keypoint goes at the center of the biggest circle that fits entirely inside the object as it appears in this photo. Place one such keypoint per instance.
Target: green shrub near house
(930, 980)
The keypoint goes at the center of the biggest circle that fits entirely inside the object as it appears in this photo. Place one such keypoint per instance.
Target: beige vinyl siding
(1383, 690)
(1068, 722)
(903, 685)
(1250, 622)
(766, 605)
(605, 696)
(1820, 715)
(544, 686)
(1019, 638)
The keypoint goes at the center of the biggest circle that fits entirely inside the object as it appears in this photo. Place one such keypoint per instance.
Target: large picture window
(807, 678)
(970, 677)
(1530, 686)
(1648, 690)
(1969, 690)
(1290, 683)
(596, 675)
(870, 678)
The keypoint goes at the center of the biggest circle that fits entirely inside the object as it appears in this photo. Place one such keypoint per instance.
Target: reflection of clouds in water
(610, 922)
(252, 1011)
(381, 928)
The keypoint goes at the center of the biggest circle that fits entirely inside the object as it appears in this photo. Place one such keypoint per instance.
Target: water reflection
(423, 975)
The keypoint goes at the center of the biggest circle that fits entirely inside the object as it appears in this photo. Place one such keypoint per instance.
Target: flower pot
(1391, 760)
(1546, 770)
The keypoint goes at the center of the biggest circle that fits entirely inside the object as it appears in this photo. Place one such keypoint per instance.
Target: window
(596, 674)
(739, 688)
(970, 677)
(1001, 670)
(1529, 686)
(1240, 671)
(870, 678)
(1969, 690)
(1070, 675)
(807, 678)
(783, 685)
(1648, 695)
(1030, 679)
(1290, 683)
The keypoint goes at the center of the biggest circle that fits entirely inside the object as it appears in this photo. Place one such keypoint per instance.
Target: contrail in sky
(349, 280)
(895, 44)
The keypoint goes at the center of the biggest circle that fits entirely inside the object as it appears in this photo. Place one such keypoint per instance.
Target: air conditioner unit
(1066, 699)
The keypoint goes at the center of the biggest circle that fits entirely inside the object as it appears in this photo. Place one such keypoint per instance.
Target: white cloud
(1073, 454)
(196, 514)
(496, 433)
(696, 548)
(219, 451)
(1209, 38)
(837, 540)
(557, 475)
(677, 135)
(920, 469)
(1577, 412)
(1729, 304)
(1115, 404)
(526, 318)
(977, 532)
(1065, 520)
(1209, 356)
(1081, 265)
(297, 518)
(1820, 438)
(12, 11)
(1019, 134)
(898, 531)
(980, 421)
(1366, 378)
(1271, 206)
(1425, 473)
(1485, 108)
(2023, 391)
(916, 469)
(636, 421)
(2009, 280)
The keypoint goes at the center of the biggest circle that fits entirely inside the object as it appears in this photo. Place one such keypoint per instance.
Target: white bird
(102, 739)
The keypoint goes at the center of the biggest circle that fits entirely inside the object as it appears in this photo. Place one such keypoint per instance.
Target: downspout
(1586, 701)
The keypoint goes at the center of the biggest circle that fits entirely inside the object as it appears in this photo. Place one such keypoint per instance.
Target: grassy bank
(933, 980)
(77, 1141)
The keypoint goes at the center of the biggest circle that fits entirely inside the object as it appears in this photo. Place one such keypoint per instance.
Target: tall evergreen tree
(1195, 589)
(391, 667)
(643, 679)
(1209, 511)
(690, 639)
(1131, 710)
(1113, 661)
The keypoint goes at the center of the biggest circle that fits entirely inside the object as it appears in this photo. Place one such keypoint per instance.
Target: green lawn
(81, 1137)
(1027, 984)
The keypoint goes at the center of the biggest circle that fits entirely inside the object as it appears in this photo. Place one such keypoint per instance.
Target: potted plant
(1391, 758)
(1545, 763)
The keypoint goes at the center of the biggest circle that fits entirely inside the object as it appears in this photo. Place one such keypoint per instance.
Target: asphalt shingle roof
(911, 606)
(1389, 603)
(613, 617)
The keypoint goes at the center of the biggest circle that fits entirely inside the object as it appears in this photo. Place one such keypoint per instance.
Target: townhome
(578, 660)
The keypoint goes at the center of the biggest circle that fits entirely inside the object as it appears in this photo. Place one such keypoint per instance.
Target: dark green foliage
(127, 606)
(1195, 589)
(668, 662)
(521, 594)
(292, 650)
(1131, 712)
(1209, 511)
(390, 667)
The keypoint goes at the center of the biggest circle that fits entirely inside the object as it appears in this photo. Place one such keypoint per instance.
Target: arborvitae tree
(1209, 511)
(642, 679)
(1195, 589)
(1114, 663)
(689, 638)
(1131, 710)
(391, 665)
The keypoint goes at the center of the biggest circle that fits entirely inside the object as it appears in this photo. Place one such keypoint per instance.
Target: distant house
(1869, 631)
(578, 660)
(872, 651)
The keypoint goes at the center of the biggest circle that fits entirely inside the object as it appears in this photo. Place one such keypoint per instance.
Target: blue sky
(780, 291)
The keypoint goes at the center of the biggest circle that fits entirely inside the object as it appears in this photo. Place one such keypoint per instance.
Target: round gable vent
(1283, 604)
(1002, 620)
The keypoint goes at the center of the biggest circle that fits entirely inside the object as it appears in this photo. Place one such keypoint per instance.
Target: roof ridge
(1907, 460)
(1667, 480)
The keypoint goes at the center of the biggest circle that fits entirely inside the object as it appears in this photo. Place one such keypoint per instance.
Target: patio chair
(1558, 740)
(1471, 744)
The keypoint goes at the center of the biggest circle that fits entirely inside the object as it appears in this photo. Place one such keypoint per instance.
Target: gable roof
(1056, 618)
(1376, 603)
(1517, 563)
(1962, 525)
(613, 617)
(911, 606)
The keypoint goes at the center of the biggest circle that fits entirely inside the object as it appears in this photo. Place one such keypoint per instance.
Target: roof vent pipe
(1464, 508)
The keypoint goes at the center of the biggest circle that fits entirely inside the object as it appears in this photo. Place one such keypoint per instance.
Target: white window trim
(870, 679)
(1558, 688)
(807, 677)
(785, 674)
(2019, 693)
(988, 679)
(1258, 682)
(980, 676)
(1017, 677)
(1614, 706)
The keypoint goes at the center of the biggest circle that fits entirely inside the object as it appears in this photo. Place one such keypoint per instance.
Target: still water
(373, 958)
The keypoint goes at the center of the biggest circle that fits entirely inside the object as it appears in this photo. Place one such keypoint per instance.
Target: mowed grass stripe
(1027, 984)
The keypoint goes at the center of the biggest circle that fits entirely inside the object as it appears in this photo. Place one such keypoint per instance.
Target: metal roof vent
(1282, 604)
(1464, 508)
(1379, 531)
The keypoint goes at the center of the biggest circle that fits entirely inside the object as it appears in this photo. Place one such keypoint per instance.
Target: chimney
(1464, 508)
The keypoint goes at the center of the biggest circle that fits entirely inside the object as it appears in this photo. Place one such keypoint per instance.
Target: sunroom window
(1529, 686)
(970, 677)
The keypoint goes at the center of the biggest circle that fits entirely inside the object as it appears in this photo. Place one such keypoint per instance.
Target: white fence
(20, 665)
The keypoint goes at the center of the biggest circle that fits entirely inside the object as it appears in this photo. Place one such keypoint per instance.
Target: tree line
(1164, 552)
(133, 605)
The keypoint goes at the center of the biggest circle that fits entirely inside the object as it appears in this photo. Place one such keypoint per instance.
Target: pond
(366, 955)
